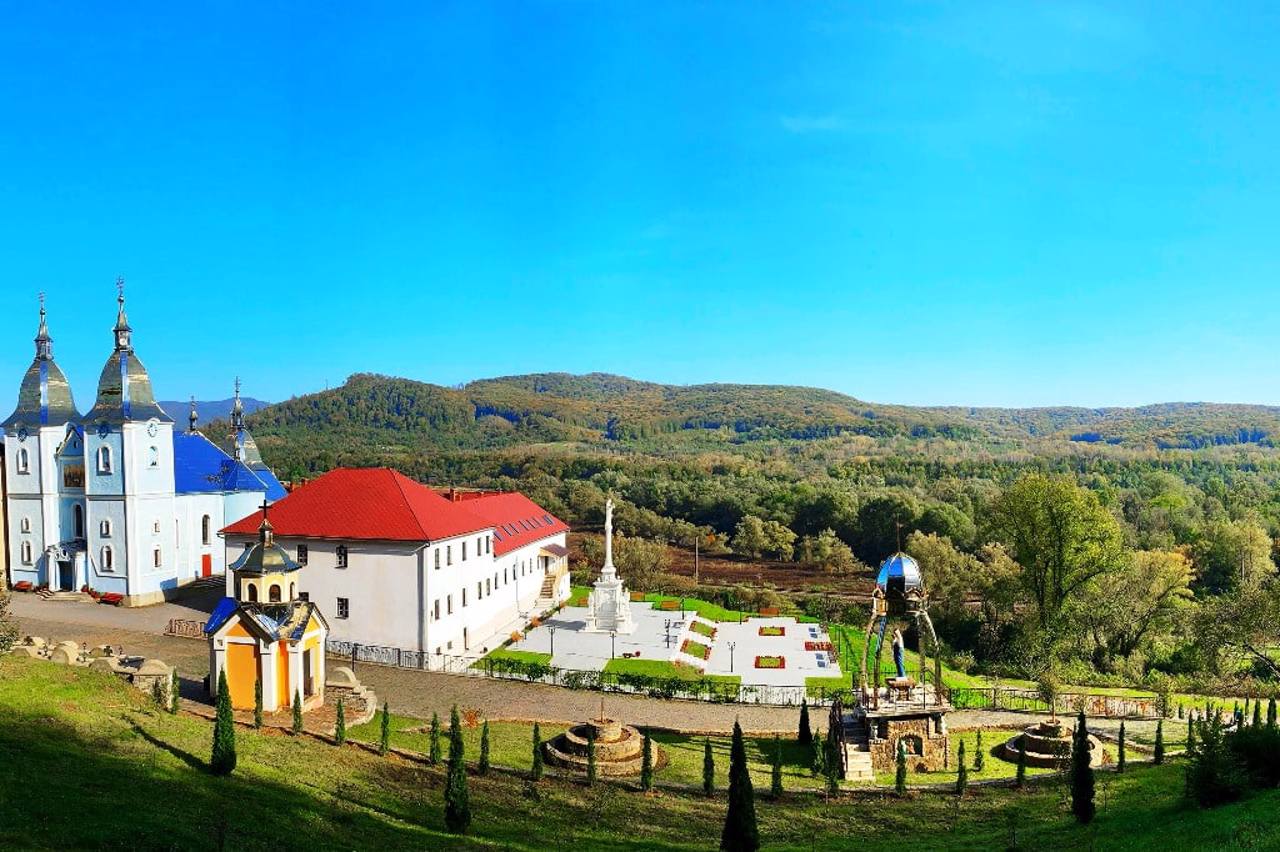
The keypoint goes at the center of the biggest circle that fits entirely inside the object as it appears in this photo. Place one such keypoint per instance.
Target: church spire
(193, 418)
(124, 334)
(44, 343)
(237, 409)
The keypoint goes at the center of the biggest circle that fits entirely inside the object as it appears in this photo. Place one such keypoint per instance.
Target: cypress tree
(384, 741)
(1271, 712)
(483, 767)
(434, 755)
(1082, 775)
(174, 695)
(591, 755)
(223, 759)
(805, 736)
(1191, 734)
(157, 693)
(535, 767)
(1157, 756)
(817, 756)
(708, 769)
(775, 779)
(741, 834)
(1022, 761)
(979, 756)
(297, 712)
(962, 776)
(257, 704)
(340, 726)
(1181, 712)
(1257, 714)
(1120, 750)
(831, 762)
(646, 764)
(900, 774)
(457, 801)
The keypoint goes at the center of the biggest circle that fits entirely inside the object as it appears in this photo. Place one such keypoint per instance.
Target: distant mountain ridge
(210, 410)
(386, 416)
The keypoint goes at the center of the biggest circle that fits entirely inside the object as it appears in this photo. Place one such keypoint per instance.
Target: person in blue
(899, 654)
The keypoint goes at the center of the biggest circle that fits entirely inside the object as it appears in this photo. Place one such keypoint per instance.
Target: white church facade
(117, 500)
(393, 563)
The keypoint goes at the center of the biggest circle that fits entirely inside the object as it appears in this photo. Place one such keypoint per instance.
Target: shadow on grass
(185, 756)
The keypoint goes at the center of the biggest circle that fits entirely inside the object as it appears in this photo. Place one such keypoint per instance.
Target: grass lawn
(510, 654)
(702, 629)
(88, 762)
(663, 668)
(993, 767)
(817, 686)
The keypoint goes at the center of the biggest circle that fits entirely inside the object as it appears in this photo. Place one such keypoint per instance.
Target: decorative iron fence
(185, 628)
(1031, 701)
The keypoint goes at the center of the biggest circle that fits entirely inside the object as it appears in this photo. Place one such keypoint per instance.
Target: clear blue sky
(955, 203)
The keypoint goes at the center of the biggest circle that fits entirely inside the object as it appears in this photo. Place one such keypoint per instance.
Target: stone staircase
(857, 749)
(547, 594)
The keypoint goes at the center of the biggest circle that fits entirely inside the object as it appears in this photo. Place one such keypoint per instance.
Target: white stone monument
(609, 609)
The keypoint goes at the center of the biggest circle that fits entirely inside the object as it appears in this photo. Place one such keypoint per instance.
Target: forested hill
(381, 417)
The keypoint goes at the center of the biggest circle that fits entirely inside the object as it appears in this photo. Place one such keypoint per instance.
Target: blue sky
(1015, 204)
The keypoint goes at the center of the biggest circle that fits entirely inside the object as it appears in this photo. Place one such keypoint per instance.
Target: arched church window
(104, 528)
(205, 529)
(104, 459)
(78, 514)
(24, 461)
(273, 594)
(26, 553)
(293, 591)
(157, 557)
(253, 593)
(25, 525)
(108, 557)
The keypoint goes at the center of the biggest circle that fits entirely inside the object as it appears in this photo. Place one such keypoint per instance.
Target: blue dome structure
(900, 572)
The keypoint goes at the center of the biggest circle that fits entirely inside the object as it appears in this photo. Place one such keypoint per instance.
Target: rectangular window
(437, 559)
(448, 554)
(479, 546)
(437, 610)
(344, 608)
(464, 551)
(304, 596)
(487, 588)
(341, 553)
(157, 557)
(488, 544)
(302, 554)
(479, 591)
(448, 603)
(464, 597)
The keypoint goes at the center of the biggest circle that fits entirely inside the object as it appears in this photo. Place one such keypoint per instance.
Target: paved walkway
(415, 693)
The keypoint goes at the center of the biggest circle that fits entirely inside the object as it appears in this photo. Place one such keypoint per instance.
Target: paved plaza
(659, 635)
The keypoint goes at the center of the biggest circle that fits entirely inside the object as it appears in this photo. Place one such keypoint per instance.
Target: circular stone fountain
(619, 748)
(1049, 744)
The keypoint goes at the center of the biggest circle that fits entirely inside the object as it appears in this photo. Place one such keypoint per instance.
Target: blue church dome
(900, 571)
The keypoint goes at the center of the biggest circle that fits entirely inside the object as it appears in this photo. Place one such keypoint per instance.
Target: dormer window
(24, 460)
(104, 459)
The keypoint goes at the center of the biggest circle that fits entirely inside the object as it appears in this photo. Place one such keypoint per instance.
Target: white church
(117, 500)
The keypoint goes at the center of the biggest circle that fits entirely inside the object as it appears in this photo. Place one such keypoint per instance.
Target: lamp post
(732, 645)
(613, 645)
(553, 641)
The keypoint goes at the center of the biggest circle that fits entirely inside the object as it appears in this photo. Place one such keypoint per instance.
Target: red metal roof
(516, 520)
(373, 504)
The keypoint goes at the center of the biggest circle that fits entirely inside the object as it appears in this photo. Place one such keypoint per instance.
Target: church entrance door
(66, 576)
(206, 565)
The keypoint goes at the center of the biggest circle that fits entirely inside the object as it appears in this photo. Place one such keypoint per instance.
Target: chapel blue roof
(220, 615)
(201, 467)
(900, 567)
(275, 491)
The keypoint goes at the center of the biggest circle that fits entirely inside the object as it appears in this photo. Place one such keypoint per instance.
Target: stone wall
(920, 737)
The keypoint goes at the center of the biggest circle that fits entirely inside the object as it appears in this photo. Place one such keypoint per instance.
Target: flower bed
(769, 612)
(112, 598)
(773, 631)
(703, 629)
(818, 646)
(771, 662)
(22, 586)
(695, 649)
(669, 605)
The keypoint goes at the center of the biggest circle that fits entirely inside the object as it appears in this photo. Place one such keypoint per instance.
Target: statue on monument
(609, 608)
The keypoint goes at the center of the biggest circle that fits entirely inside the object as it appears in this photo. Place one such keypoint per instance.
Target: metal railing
(185, 628)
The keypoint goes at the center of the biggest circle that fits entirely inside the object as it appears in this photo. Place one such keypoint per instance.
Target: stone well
(619, 748)
(1048, 745)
